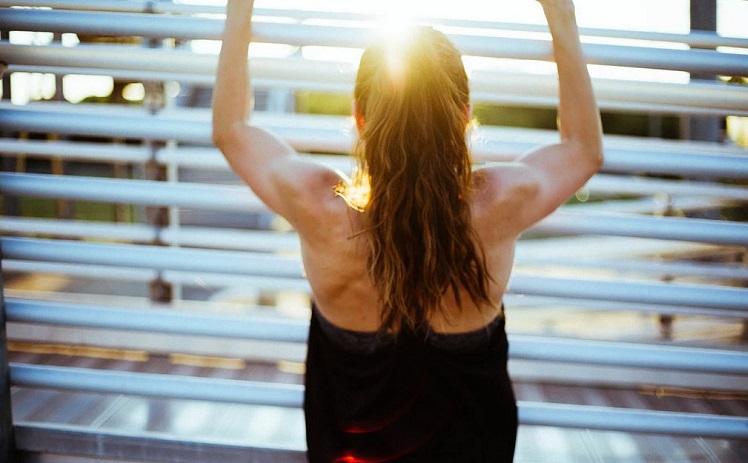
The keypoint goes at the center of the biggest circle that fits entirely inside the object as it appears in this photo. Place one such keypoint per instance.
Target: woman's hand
(562, 4)
(558, 12)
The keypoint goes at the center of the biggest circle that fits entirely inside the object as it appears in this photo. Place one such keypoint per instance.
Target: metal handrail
(239, 198)
(701, 39)
(334, 134)
(285, 330)
(129, 24)
(202, 237)
(282, 267)
(627, 420)
(195, 277)
(295, 73)
(210, 158)
(287, 395)
(268, 241)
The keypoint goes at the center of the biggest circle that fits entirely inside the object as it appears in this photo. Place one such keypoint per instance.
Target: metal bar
(120, 6)
(306, 133)
(157, 385)
(184, 156)
(239, 198)
(160, 321)
(204, 237)
(221, 390)
(196, 278)
(211, 158)
(699, 61)
(486, 86)
(627, 291)
(75, 151)
(669, 228)
(140, 192)
(266, 241)
(521, 301)
(77, 229)
(217, 280)
(136, 256)
(332, 134)
(627, 420)
(284, 330)
(153, 257)
(636, 186)
(695, 38)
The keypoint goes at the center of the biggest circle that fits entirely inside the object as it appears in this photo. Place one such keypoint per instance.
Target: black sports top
(417, 397)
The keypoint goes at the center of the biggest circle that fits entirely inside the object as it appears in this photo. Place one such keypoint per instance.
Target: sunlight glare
(398, 17)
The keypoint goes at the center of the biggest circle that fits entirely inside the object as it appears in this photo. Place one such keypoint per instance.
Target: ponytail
(415, 172)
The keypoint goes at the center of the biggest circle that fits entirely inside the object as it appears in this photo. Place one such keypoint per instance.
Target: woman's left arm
(271, 167)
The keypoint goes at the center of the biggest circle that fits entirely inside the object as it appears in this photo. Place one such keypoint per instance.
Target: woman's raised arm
(548, 176)
(271, 168)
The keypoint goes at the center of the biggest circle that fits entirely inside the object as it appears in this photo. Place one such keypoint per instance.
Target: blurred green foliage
(338, 104)
(642, 125)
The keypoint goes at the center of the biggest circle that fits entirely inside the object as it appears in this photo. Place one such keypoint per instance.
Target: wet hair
(414, 174)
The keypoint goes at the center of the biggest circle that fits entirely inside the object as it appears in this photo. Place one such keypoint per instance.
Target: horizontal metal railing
(283, 267)
(332, 134)
(268, 241)
(145, 192)
(127, 24)
(298, 74)
(285, 330)
(701, 39)
(224, 390)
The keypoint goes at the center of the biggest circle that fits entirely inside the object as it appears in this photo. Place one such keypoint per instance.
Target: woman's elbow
(218, 137)
(223, 134)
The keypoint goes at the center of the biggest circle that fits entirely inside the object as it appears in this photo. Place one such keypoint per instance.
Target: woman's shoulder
(500, 188)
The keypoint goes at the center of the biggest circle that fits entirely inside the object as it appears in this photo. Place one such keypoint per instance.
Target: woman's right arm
(548, 176)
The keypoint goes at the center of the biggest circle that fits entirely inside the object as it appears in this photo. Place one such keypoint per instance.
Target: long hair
(414, 174)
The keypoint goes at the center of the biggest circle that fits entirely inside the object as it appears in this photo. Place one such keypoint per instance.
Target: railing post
(7, 441)
(156, 100)
(11, 205)
(704, 128)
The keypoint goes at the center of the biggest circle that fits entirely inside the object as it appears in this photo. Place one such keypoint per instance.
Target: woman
(408, 263)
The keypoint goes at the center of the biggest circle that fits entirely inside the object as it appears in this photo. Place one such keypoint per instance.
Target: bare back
(334, 252)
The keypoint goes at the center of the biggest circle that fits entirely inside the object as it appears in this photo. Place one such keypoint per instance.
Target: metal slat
(267, 241)
(128, 24)
(281, 330)
(243, 263)
(157, 385)
(295, 73)
(222, 390)
(159, 321)
(700, 39)
(210, 158)
(140, 192)
(331, 134)
(153, 257)
(628, 420)
(226, 198)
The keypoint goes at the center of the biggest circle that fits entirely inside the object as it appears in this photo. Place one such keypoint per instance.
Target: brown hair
(415, 171)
